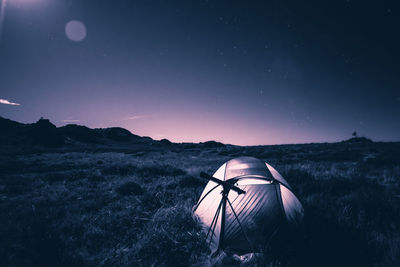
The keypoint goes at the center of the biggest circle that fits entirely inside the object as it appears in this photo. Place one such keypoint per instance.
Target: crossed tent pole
(222, 205)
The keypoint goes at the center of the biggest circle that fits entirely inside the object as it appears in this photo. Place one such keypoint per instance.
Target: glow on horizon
(181, 130)
(235, 138)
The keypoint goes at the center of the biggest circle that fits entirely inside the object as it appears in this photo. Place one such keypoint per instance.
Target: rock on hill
(44, 133)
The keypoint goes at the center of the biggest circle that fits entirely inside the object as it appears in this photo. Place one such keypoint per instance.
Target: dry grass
(134, 208)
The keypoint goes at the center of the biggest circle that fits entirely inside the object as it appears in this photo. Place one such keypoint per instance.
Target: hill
(44, 133)
(43, 136)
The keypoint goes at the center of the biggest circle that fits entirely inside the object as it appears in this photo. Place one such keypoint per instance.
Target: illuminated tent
(244, 204)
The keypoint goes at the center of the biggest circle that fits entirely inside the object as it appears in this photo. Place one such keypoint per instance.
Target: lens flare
(75, 30)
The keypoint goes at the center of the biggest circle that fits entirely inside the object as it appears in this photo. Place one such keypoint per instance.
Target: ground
(133, 206)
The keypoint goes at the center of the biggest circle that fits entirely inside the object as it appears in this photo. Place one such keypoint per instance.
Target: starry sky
(239, 72)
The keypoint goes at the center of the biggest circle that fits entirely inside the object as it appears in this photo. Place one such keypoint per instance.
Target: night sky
(239, 72)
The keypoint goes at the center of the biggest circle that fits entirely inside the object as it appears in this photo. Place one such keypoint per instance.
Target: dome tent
(244, 204)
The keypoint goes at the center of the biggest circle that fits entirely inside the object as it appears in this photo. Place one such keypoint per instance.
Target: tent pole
(225, 193)
(215, 219)
(198, 203)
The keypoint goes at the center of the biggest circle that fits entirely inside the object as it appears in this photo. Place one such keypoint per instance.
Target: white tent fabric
(245, 223)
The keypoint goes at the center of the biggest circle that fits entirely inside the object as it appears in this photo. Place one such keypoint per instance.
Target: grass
(133, 208)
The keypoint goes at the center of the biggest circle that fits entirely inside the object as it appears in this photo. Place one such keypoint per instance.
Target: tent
(244, 205)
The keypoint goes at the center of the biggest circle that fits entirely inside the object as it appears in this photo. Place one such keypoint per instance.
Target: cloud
(136, 117)
(70, 120)
(6, 102)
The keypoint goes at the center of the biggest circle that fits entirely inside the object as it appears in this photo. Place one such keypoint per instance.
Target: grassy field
(133, 207)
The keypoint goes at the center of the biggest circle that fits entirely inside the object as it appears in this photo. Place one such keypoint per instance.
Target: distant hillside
(44, 133)
(16, 136)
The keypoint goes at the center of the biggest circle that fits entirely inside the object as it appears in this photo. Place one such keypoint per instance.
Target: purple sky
(269, 72)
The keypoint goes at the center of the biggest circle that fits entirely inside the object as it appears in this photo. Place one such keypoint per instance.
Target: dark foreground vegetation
(132, 206)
